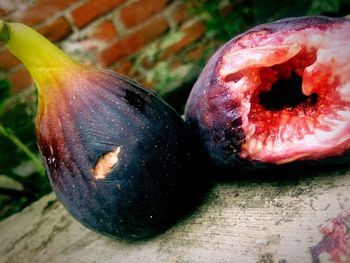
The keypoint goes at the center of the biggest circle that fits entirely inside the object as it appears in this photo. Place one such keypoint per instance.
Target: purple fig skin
(120, 159)
(213, 113)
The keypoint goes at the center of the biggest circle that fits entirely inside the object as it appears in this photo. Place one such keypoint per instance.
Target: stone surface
(275, 219)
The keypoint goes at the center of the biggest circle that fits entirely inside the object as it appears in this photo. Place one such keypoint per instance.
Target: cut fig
(276, 94)
(118, 157)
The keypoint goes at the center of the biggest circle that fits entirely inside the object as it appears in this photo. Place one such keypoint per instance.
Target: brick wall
(155, 42)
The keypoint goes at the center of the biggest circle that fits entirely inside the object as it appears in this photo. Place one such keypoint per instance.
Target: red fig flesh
(276, 94)
(335, 244)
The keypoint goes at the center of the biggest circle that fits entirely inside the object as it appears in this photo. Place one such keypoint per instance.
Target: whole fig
(276, 94)
(117, 156)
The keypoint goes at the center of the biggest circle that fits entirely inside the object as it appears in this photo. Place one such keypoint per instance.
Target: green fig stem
(42, 58)
(14, 139)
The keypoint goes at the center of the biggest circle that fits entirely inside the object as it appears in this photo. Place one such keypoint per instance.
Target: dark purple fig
(117, 156)
(276, 94)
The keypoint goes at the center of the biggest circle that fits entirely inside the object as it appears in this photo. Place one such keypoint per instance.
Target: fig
(117, 156)
(276, 94)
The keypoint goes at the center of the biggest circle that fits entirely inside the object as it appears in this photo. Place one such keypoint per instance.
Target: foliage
(22, 177)
(231, 17)
(4, 91)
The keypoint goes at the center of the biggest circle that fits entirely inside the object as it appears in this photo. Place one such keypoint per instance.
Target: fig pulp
(276, 94)
(335, 245)
(117, 156)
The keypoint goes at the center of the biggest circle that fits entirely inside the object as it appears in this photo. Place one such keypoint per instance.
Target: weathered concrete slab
(245, 220)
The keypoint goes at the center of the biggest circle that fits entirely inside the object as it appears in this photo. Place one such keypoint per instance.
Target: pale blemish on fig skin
(106, 163)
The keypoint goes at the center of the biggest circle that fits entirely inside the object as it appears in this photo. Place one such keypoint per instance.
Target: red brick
(147, 63)
(57, 30)
(2, 12)
(191, 34)
(7, 60)
(176, 64)
(124, 68)
(20, 80)
(103, 33)
(179, 13)
(226, 9)
(93, 9)
(133, 42)
(106, 31)
(140, 11)
(40, 10)
(197, 53)
(145, 83)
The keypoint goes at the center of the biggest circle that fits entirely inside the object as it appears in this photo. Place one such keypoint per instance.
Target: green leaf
(324, 6)
(17, 133)
(4, 91)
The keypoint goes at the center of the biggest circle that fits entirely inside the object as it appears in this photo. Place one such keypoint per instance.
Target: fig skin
(152, 183)
(118, 157)
(213, 107)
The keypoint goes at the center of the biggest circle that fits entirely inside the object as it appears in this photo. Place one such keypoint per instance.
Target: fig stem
(13, 138)
(40, 57)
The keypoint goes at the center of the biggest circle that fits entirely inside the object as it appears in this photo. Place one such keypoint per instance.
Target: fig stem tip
(4, 31)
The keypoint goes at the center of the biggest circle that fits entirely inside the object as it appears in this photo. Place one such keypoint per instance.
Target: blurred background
(162, 44)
